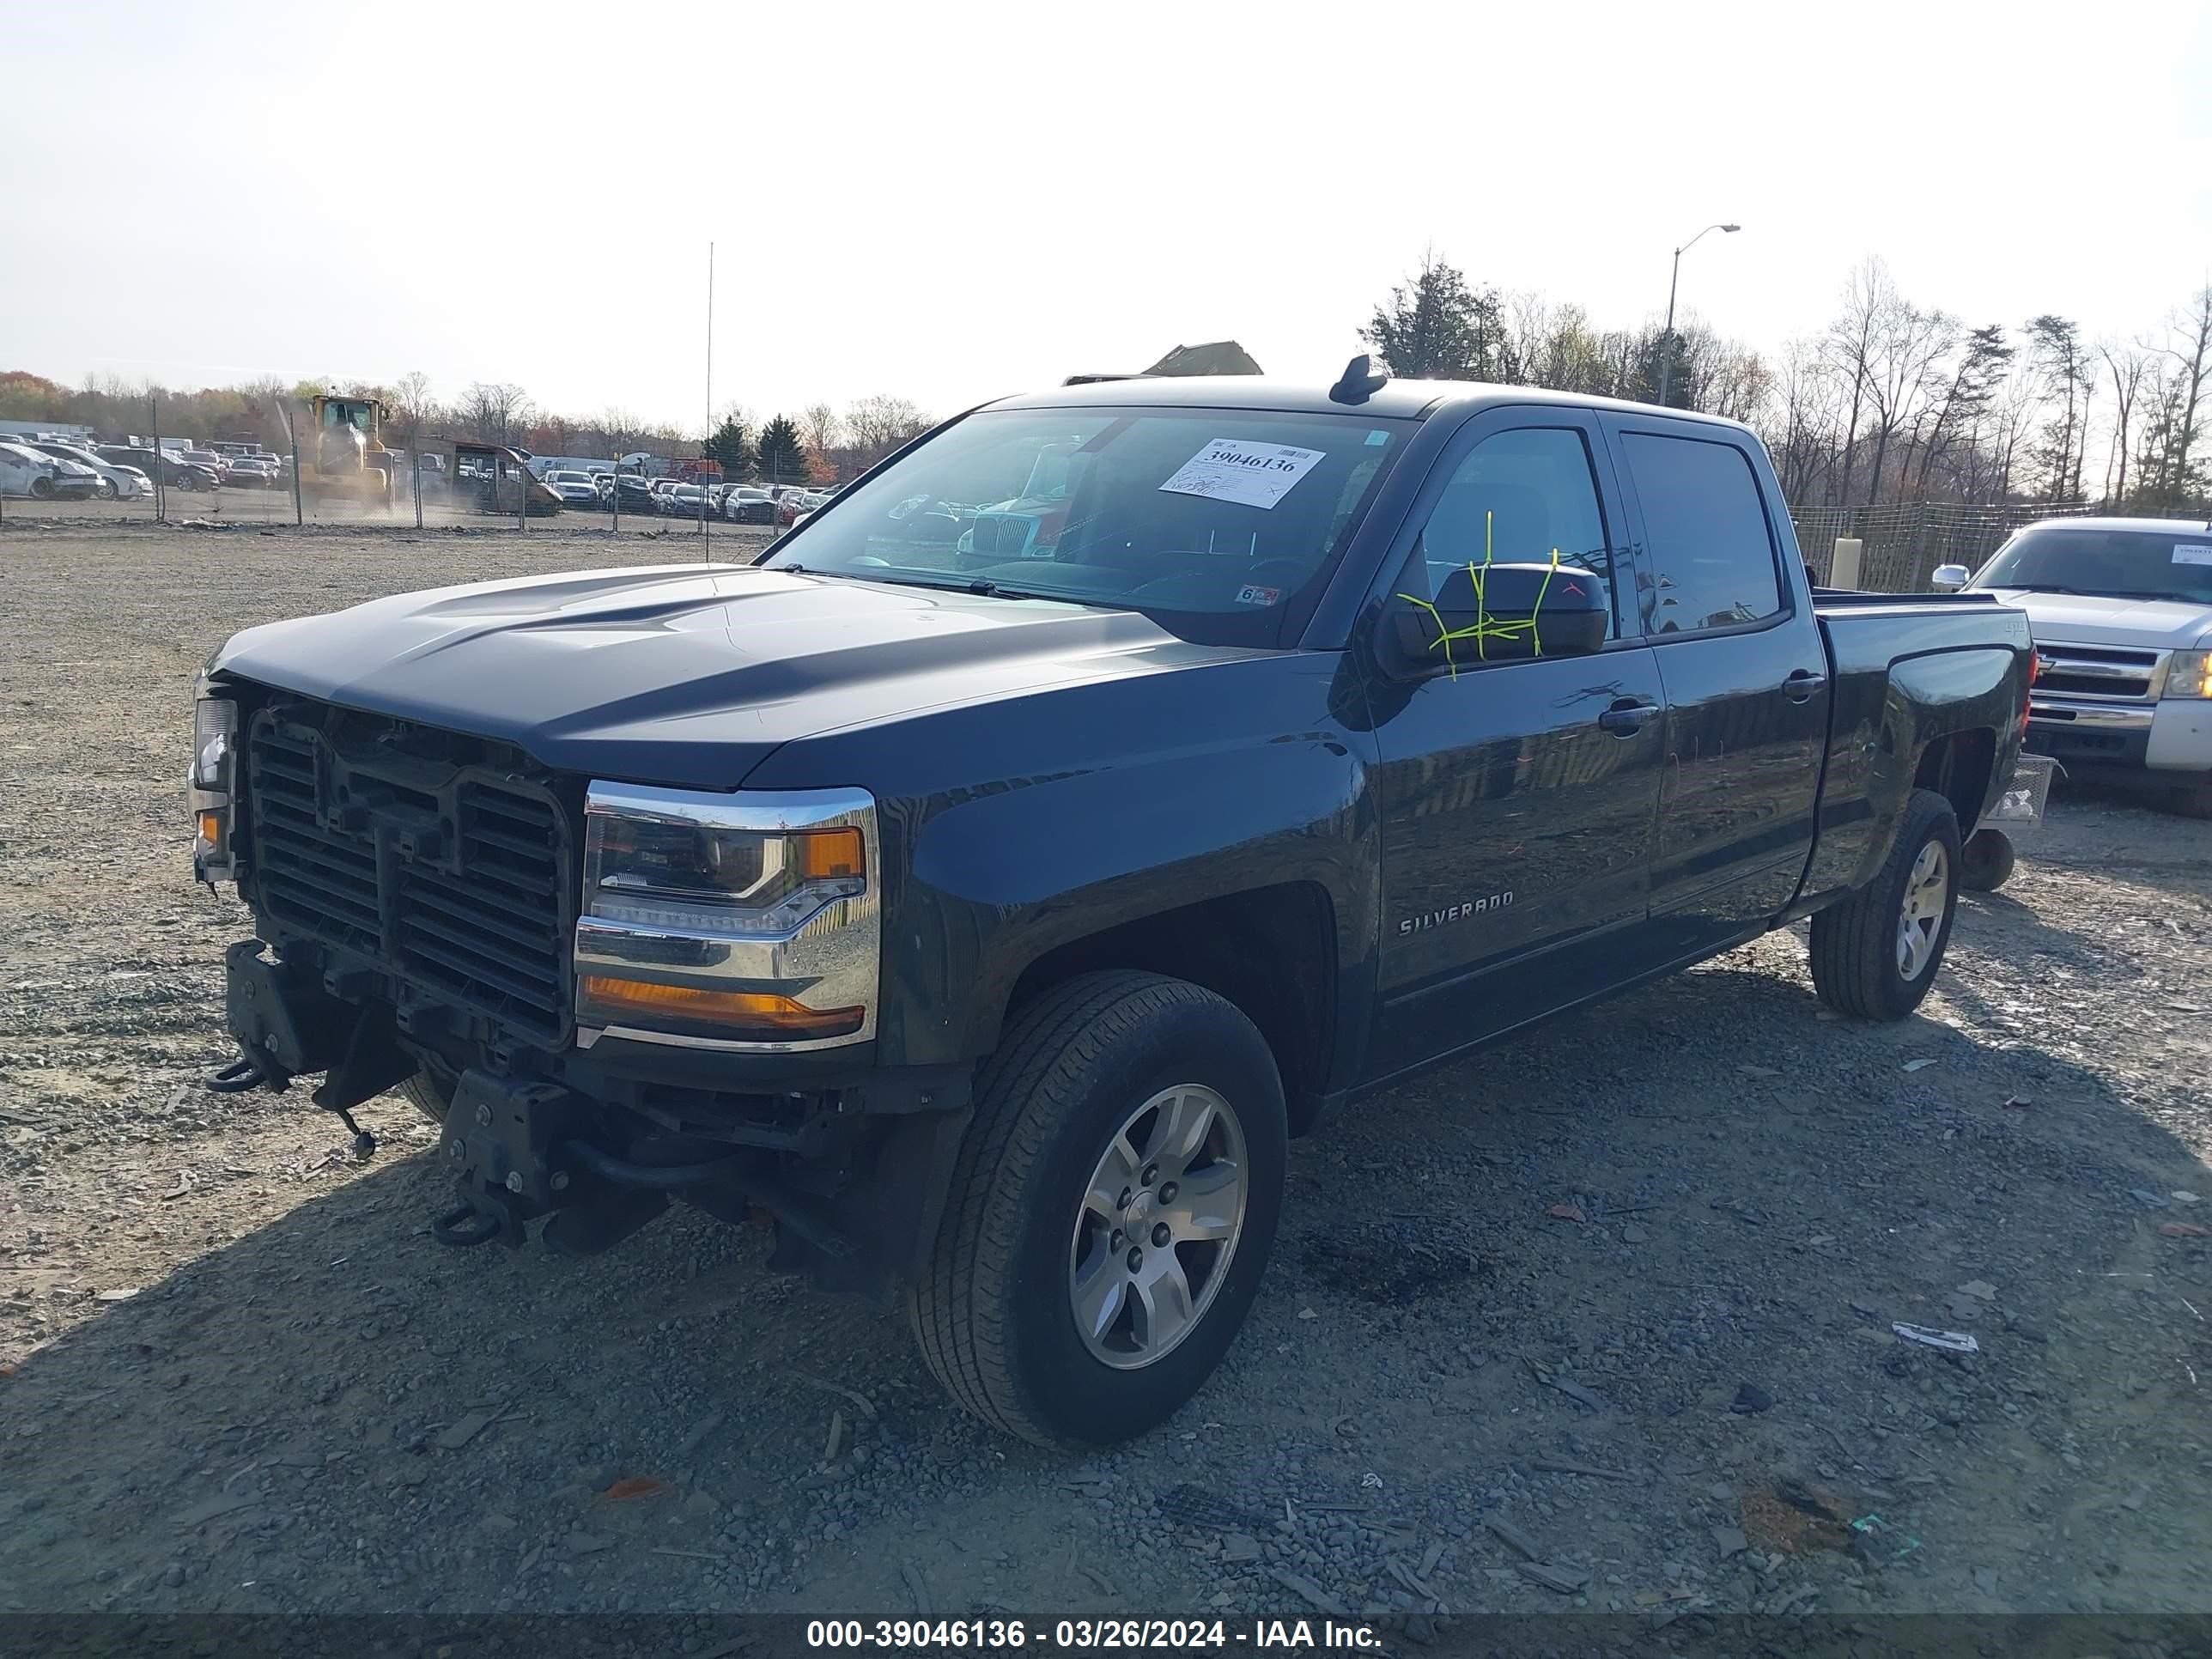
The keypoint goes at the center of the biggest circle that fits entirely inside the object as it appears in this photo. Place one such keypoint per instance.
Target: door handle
(1802, 683)
(1627, 715)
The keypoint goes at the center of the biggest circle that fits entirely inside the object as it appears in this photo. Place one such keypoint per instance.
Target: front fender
(1000, 882)
(1015, 826)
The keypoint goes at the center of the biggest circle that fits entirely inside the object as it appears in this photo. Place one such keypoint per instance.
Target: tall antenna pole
(706, 529)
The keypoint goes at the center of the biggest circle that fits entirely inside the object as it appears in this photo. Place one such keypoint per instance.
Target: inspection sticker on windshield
(2192, 553)
(1243, 471)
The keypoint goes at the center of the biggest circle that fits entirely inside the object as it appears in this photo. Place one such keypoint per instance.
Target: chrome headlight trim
(829, 959)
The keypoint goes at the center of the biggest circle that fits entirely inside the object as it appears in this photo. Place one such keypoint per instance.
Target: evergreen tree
(1436, 327)
(732, 446)
(781, 458)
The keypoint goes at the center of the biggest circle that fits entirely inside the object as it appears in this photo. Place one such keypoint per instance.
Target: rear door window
(1710, 560)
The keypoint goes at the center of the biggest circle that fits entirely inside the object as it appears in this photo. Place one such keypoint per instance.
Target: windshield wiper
(2037, 587)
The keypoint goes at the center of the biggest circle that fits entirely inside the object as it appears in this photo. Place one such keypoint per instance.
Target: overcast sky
(953, 201)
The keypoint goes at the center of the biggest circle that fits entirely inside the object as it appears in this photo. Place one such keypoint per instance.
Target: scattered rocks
(1751, 1399)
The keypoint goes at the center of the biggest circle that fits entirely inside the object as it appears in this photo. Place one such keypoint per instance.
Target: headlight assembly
(2188, 674)
(746, 921)
(210, 788)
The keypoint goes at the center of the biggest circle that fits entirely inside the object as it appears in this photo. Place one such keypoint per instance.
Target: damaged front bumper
(849, 1161)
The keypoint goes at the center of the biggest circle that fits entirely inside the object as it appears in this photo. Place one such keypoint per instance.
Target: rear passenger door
(1739, 655)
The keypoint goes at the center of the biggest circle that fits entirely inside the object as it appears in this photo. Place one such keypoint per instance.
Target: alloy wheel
(1920, 918)
(1157, 1226)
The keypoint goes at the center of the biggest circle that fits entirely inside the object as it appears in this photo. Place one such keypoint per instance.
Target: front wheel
(1875, 954)
(43, 488)
(2193, 801)
(106, 490)
(1111, 1211)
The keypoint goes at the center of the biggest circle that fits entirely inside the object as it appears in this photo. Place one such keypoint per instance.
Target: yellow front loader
(341, 454)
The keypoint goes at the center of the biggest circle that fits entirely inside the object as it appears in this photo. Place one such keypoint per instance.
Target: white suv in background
(2121, 610)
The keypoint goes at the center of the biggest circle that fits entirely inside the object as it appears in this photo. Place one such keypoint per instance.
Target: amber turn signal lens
(212, 829)
(830, 855)
(760, 1014)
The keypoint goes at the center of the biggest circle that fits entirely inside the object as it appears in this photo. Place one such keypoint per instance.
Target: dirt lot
(236, 1373)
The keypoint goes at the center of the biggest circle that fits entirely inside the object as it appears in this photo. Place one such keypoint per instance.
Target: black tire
(106, 490)
(992, 1313)
(2193, 801)
(1986, 861)
(43, 488)
(1856, 969)
(430, 1094)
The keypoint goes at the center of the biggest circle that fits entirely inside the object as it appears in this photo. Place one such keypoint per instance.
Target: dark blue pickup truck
(1104, 788)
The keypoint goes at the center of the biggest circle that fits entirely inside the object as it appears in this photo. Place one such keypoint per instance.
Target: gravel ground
(237, 1374)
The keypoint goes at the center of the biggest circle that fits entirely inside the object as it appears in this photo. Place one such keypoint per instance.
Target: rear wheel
(1111, 1211)
(1875, 954)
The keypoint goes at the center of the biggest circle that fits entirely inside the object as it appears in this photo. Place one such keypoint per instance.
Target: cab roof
(2197, 526)
(1396, 399)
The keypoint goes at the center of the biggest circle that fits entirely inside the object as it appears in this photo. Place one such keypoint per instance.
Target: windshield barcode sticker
(2192, 553)
(1243, 471)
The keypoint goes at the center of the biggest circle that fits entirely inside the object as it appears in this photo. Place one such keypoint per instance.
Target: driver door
(1518, 797)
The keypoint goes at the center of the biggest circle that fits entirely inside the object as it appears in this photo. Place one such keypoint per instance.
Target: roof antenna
(1361, 381)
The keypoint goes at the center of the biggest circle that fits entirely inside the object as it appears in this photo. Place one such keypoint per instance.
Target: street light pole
(1667, 339)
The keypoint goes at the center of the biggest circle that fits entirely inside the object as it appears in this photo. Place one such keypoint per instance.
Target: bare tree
(2125, 366)
(2172, 475)
(1805, 423)
(876, 426)
(496, 411)
(1868, 298)
(818, 428)
(1960, 401)
(2063, 375)
(410, 399)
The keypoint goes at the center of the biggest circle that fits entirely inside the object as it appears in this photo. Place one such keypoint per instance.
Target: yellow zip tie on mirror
(1486, 628)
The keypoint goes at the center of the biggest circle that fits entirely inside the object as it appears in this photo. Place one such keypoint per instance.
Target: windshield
(1218, 523)
(2135, 564)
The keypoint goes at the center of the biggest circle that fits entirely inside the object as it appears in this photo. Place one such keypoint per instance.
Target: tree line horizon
(1889, 401)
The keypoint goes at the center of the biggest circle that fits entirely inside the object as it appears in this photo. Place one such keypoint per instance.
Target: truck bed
(1851, 599)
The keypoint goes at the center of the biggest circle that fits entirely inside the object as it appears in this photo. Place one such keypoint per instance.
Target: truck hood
(2098, 619)
(688, 675)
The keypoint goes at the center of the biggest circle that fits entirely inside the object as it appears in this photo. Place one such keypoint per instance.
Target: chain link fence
(1902, 541)
(317, 470)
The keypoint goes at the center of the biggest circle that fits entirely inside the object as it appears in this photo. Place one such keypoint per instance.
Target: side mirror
(1950, 578)
(1512, 613)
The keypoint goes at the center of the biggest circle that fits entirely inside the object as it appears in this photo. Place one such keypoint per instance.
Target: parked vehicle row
(774, 504)
(107, 482)
(28, 471)
(166, 467)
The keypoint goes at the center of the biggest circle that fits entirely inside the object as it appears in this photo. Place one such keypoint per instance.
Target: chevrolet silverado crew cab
(2122, 613)
(1108, 787)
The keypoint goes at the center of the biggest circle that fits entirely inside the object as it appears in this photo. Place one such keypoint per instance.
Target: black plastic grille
(320, 879)
(456, 886)
(491, 939)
